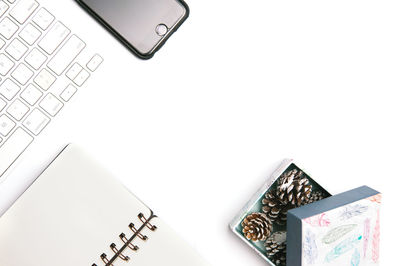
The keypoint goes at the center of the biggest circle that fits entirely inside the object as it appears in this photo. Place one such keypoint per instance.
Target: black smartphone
(143, 26)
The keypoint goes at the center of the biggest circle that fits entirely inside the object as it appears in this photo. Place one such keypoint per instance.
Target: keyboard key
(5, 64)
(31, 94)
(23, 10)
(35, 58)
(30, 34)
(74, 71)
(9, 89)
(13, 148)
(2, 104)
(64, 57)
(3, 8)
(36, 121)
(2, 43)
(22, 74)
(16, 49)
(53, 39)
(45, 79)
(18, 110)
(43, 19)
(94, 63)
(8, 28)
(51, 105)
(81, 78)
(67, 94)
(6, 125)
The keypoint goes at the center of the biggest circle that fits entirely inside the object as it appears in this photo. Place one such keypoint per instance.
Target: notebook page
(69, 216)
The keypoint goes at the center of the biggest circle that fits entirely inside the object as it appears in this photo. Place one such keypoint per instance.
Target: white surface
(241, 86)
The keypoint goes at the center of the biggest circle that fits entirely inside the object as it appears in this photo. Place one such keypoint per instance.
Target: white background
(195, 131)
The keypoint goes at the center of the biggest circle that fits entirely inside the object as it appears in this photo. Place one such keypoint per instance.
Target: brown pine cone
(275, 247)
(274, 209)
(294, 188)
(257, 227)
(316, 196)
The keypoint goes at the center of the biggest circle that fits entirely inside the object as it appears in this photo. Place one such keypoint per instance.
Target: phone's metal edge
(125, 42)
(174, 28)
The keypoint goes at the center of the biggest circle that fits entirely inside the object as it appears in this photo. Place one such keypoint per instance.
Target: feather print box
(340, 230)
(287, 222)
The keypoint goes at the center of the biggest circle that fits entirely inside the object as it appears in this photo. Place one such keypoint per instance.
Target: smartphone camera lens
(161, 29)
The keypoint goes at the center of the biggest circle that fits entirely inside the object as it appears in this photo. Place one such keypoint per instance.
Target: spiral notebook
(77, 214)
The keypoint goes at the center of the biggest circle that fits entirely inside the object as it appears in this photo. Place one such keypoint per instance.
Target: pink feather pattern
(318, 221)
(377, 198)
(367, 229)
(376, 240)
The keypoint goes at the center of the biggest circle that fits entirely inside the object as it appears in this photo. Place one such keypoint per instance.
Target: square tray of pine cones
(291, 190)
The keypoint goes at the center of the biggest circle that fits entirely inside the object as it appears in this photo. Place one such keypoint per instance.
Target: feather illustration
(310, 247)
(356, 258)
(377, 198)
(337, 233)
(367, 229)
(353, 210)
(343, 247)
(318, 220)
(376, 240)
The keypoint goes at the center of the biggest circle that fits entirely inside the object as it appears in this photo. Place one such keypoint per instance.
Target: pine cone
(316, 196)
(275, 247)
(274, 209)
(293, 188)
(257, 227)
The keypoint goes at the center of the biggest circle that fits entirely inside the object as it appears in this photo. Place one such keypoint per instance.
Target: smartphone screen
(142, 23)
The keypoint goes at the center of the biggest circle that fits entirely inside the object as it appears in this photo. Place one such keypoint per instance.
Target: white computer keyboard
(41, 68)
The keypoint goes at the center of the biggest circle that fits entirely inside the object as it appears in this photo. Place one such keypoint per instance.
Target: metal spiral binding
(128, 242)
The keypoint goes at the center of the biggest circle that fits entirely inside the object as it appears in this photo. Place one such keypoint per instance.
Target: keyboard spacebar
(13, 148)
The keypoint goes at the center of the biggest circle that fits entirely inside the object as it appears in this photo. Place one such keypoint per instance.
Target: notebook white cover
(74, 211)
